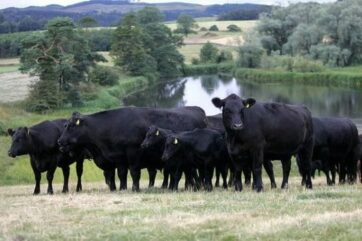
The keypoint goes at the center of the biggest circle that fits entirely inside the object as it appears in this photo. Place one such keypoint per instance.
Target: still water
(322, 101)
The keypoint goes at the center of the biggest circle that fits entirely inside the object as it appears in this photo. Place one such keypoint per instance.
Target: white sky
(26, 3)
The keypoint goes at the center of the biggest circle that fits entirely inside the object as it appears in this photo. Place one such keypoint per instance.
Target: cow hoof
(238, 188)
(225, 186)
(273, 185)
(259, 189)
(36, 193)
(50, 192)
(65, 191)
(284, 186)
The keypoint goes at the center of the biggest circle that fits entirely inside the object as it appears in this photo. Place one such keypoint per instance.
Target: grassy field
(325, 213)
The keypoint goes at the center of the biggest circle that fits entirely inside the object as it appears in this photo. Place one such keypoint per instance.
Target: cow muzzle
(238, 126)
(11, 154)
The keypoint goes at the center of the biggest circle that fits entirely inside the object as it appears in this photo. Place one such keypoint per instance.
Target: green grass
(331, 77)
(325, 213)
(8, 68)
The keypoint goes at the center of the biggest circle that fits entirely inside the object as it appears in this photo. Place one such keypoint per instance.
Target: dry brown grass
(96, 214)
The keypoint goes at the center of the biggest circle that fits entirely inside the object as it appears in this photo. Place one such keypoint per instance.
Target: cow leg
(268, 166)
(247, 173)
(166, 175)
(66, 179)
(122, 172)
(237, 181)
(224, 175)
(196, 178)
(152, 176)
(50, 176)
(218, 172)
(177, 178)
(231, 178)
(37, 176)
(258, 157)
(136, 175)
(109, 176)
(209, 171)
(190, 184)
(286, 163)
(79, 167)
(305, 158)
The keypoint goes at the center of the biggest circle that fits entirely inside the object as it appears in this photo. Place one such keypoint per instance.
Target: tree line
(65, 58)
(330, 33)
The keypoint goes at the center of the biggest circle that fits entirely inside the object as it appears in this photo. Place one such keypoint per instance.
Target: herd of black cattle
(244, 137)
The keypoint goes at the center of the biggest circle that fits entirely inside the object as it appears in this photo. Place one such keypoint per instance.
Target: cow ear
(27, 130)
(218, 102)
(249, 102)
(11, 132)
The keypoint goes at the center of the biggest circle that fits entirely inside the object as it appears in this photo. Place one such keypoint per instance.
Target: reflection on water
(322, 101)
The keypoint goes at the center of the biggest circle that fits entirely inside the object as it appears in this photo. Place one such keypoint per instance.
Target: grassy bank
(346, 77)
(325, 213)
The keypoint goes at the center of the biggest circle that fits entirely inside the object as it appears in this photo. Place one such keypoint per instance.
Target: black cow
(154, 143)
(265, 131)
(359, 167)
(202, 148)
(40, 143)
(215, 122)
(336, 144)
(115, 136)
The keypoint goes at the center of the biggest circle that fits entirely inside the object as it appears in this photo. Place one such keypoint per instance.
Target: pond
(321, 100)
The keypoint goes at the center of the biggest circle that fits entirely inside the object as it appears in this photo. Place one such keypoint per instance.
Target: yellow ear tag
(157, 133)
(78, 122)
(247, 105)
(175, 141)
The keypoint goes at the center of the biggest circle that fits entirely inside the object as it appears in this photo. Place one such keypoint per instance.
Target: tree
(87, 22)
(61, 58)
(208, 53)
(214, 28)
(249, 56)
(233, 28)
(150, 39)
(185, 24)
(128, 47)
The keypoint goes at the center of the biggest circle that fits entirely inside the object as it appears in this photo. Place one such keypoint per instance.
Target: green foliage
(104, 76)
(144, 46)
(195, 61)
(321, 78)
(185, 24)
(331, 33)
(61, 58)
(203, 29)
(291, 64)
(87, 22)
(249, 56)
(209, 68)
(233, 28)
(208, 53)
(214, 28)
(224, 56)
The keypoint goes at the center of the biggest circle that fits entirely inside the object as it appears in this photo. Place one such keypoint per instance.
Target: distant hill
(108, 12)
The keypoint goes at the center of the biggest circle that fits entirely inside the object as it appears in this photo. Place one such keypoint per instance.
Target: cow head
(21, 142)
(233, 108)
(172, 146)
(153, 137)
(73, 134)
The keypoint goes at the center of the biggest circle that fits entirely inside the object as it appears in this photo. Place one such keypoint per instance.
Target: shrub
(203, 29)
(249, 56)
(233, 28)
(214, 28)
(103, 75)
(195, 61)
(208, 53)
(224, 56)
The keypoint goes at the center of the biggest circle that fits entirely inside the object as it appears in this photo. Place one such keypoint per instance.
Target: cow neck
(36, 145)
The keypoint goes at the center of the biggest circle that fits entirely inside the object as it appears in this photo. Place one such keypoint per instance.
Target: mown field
(325, 213)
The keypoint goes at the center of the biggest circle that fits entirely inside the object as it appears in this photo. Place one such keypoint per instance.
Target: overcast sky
(26, 3)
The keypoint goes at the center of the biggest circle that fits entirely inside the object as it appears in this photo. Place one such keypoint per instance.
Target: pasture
(325, 213)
